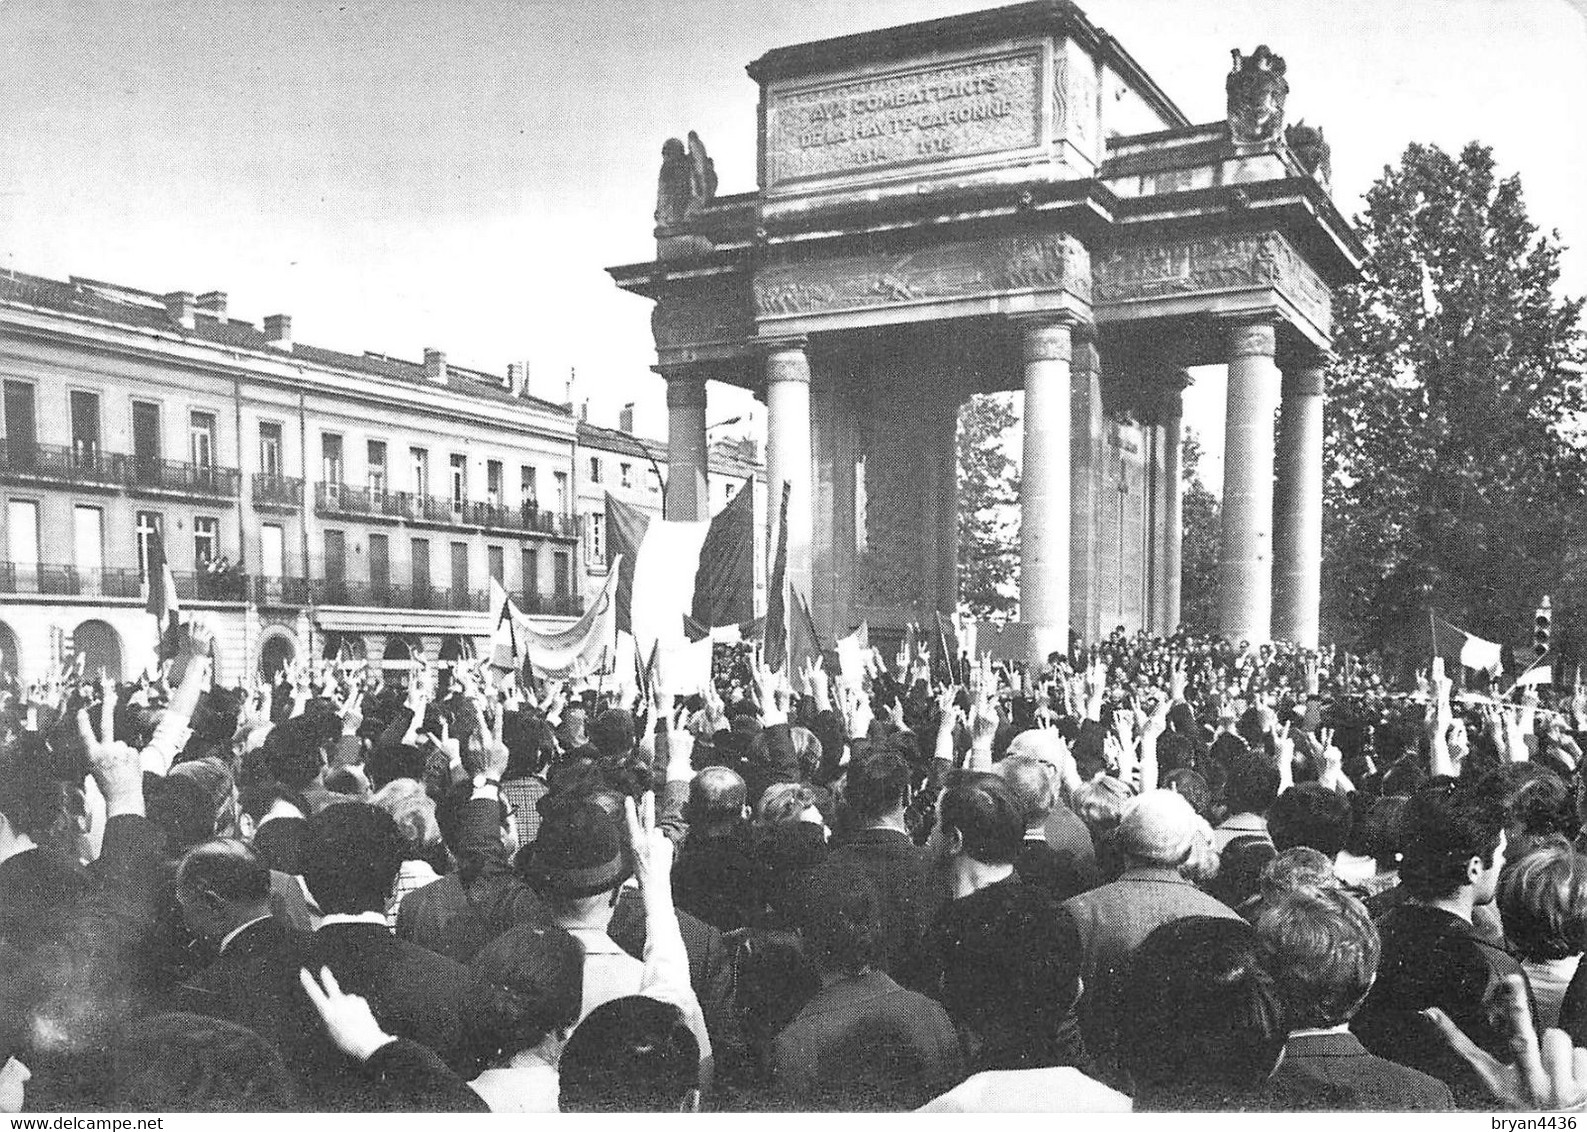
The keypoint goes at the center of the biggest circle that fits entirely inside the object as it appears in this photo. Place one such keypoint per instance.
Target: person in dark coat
(880, 852)
(1034, 786)
(1321, 949)
(1454, 846)
(717, 876)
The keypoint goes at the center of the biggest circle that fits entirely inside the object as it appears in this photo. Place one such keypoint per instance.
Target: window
(493, 482)
(459, 574)
(336, 567)
(331, 466)
(421, 568)
(728, 489)
(653, 481)
(85, 427)
(376, 462)
(531, 577)
(559, 569)
(562, 493)
(626, 474)
(148, 528)
(419, 464)
(88, 537)
(206, 541)
(201, 439)
(146, 442)
(527, 485)
(459, 481)
(598, 538)
(272, 551)
(21, 424)
(496, 563)
(595, 469)
(271, 461)
(379, 566)
(22, 527)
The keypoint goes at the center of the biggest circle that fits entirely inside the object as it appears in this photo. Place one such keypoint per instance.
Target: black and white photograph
(725, 556)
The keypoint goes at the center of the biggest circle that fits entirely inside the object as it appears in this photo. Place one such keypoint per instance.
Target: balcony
(179, 477)
(79, 466)
(330, 591)
(550, 605)
(280, 492)
(53, 580)
(341, 500)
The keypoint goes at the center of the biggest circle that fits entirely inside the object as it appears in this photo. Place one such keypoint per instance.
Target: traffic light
(1545, 620)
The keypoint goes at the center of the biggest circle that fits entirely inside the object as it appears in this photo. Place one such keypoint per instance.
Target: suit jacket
(37, 890)
(910, 893)
(1360, 1082)
(1116, 919)
(1434, 958)
(817, 1062)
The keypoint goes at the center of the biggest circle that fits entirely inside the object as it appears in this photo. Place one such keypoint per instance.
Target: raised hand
(1549, 1075)
(347, 1017)
(117, 767)
(652, 849)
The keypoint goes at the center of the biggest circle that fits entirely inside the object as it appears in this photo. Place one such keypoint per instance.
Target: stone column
(1170, 419)
(1085, 452)
(1245, 559)
(1297, 511)
(788, 456)
(687, 455)
(1044, 489)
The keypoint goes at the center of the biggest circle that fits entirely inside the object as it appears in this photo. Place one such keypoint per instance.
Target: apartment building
(358, 503)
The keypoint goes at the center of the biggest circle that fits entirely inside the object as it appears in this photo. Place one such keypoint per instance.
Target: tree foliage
(1453, 459)
(988, 489)
(1198, 552)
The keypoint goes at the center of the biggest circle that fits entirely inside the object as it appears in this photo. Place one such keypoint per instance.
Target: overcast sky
(397, 174)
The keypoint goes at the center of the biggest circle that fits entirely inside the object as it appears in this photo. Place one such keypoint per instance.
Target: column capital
(1305, 379)
(1252, 335)
(1048, 338)
(685, 386)
(786, 360)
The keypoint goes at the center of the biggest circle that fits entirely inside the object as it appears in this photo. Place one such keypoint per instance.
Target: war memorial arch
(1000, 201)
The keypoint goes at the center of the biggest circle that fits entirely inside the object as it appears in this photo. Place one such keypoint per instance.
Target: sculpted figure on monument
(1311, 150)
(687, 182)
(1256, 90)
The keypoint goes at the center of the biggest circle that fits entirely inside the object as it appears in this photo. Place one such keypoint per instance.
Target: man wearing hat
(1156, 834)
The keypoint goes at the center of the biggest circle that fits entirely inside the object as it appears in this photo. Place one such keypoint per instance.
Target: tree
(1198, 550)
(988, 489)
(1453, 459)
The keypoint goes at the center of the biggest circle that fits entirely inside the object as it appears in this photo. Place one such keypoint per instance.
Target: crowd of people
(1159, 875)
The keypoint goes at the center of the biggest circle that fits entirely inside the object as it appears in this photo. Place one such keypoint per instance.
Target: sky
(397, 174)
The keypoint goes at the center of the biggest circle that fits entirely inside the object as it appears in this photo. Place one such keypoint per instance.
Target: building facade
(310, 502)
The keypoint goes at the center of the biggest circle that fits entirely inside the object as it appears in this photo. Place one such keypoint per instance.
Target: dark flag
(724, 585)
(776, 648)
(161, 601)
(625, 530)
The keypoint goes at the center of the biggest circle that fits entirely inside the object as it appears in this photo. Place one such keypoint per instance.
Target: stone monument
(1005, 200)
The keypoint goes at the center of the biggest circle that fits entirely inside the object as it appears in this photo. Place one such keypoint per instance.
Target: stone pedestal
(788, 454)
(687, 455)
(1297, 513)
(1245, 560)
(1044, 489)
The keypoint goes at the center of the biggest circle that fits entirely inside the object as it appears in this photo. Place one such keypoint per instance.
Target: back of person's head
(1446, 824)
(1543, 903)
(877, 786)
(1312, 815)
(785, 802)
(223, 871)
(1377, 834)
(182, 809)
(350, 857)
(412, 809)
(1100, 804)
(1198, 1017)
(1298, 867)
(612, 733)
(1193, 788)
(1033, 784)
(1252, 783)
(842, 923)
(631, 1054)
(293, 753)
(390, 761)
(525, 984)
(717, 797)
(1321, 950)
(982, 814)
(32, 800)
(1540, 807)
(190, 1063)
(1158, 829)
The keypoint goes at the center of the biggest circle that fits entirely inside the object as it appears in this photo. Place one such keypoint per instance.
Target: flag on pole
(1457, 646)
(161, 598)
(776, 648)
(564, 653)
(851, 654)
(948, 640)
(1533, 677)
(504, 652)
(804, 643)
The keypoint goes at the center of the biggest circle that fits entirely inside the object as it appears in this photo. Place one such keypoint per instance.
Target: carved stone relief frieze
(1042, 262)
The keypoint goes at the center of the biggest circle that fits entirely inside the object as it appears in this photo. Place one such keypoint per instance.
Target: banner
(586, 646)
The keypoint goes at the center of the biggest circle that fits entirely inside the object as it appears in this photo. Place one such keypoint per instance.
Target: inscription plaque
(930, 114)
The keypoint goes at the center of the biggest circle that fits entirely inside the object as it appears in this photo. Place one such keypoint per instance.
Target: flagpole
(1524, 671)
